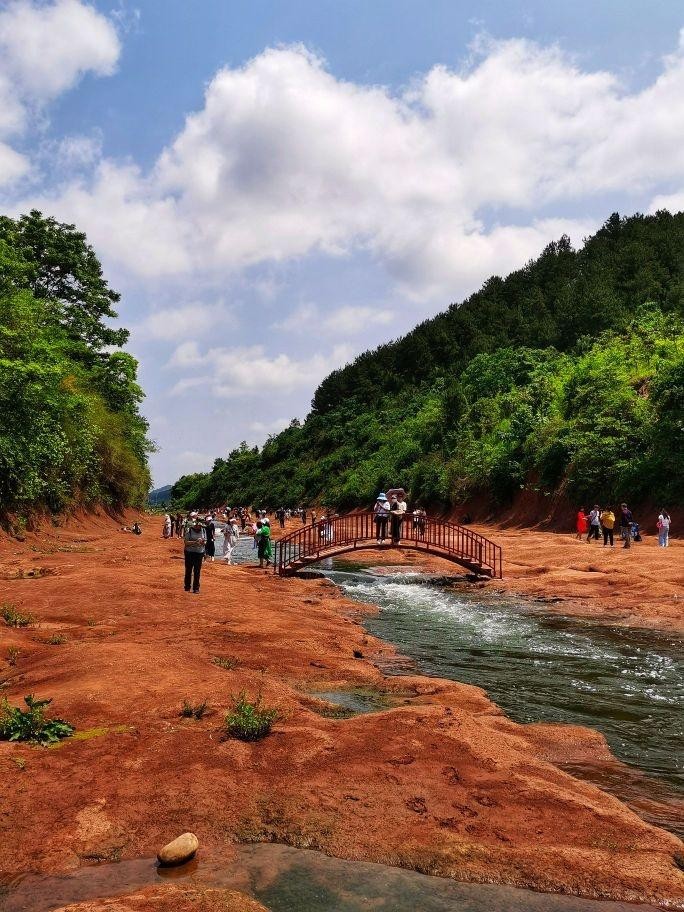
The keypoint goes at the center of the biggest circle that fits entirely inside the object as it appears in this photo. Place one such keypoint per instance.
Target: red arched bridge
(356, 531)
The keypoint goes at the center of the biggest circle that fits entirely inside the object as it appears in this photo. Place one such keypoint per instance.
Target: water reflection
(297, 880)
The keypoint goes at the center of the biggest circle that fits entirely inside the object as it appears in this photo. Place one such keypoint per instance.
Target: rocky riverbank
(439, 781)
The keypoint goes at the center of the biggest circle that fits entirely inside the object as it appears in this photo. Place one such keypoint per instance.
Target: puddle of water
(354, 702)
(298, 880)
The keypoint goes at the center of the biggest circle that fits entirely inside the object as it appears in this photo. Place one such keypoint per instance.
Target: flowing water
(624, 682)
(297, 880)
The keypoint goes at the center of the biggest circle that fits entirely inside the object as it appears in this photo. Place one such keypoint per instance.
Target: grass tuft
(227, 662)
(13, 653)
(14, 618)
(197, 711)
(249, 720)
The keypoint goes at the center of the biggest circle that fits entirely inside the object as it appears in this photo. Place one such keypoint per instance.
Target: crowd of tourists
(599, 522)
(200, 530)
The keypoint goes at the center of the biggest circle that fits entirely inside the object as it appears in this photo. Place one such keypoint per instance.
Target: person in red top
(582, 523)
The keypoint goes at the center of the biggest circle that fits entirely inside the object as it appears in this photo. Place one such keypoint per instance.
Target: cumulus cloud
(269, 427)
(349, 320)
(44, 50)
(170, 324)
(231, 372)
(674, 202)
(284, 160)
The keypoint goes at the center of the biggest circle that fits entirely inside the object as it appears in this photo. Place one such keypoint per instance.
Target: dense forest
(70, 429)
(566, 379)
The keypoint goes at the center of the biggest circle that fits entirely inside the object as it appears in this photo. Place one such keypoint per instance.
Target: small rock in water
(179, 850)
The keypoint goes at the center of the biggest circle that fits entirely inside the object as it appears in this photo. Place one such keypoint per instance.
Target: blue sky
(276, 186)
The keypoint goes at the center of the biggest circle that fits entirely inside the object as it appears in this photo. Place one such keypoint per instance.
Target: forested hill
(565, 377)
(70, 429)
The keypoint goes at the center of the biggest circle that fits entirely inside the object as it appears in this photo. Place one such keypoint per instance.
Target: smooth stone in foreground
(179, 850)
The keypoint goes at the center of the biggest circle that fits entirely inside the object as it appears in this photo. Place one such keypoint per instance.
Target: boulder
(181, 849)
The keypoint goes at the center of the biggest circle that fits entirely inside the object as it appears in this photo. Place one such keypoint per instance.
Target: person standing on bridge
(381, 510)
(397, 510)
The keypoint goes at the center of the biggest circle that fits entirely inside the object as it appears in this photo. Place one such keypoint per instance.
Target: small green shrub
(57, 639)
(227, 662)
(30, 724)
(188, 711)
(14, 618)
(249, 721)
(13, 653)
(91, 622)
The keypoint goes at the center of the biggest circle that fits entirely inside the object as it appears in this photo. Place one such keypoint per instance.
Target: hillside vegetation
(565, 378)
(70, 429)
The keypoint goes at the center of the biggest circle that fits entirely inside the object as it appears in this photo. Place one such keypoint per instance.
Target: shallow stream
(537, 666)
(297, 880)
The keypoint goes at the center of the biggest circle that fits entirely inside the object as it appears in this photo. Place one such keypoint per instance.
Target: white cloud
(12, 164)
(284, 160)
(45, 48)
(173, 323)
(269, 427)
(672, 201)
(188, 462)
(349, 320)
(187, 354)
(78, 150)
(249, 370)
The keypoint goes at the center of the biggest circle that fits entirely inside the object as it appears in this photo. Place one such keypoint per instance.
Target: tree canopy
(563, 377)
(70, 427)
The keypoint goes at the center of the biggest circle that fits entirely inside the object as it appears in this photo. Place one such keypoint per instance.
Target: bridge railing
(356, 529)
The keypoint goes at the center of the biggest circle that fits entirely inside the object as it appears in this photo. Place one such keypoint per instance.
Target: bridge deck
(356, 531)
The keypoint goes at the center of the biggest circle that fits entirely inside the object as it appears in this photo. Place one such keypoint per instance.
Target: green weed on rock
(249, 721)
(30, 724)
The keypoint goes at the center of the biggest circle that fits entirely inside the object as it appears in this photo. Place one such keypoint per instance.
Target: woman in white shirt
(381, 510)
(664, 529)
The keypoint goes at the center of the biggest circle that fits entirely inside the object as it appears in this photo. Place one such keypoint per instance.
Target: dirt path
(441, 781)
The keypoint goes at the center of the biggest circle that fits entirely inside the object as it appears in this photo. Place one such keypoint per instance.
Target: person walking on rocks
(664, 529)
(626, 520)
(263, 540)
(210, 531)
(594, 523)
(194, 541)
(581, 523)
(608, 524)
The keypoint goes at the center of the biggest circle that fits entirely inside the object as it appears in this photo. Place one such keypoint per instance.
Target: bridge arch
(357, 531)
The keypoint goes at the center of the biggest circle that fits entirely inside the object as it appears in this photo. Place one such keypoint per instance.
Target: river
(541, 666)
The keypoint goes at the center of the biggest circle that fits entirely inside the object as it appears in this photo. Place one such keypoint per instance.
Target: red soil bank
(442, 782)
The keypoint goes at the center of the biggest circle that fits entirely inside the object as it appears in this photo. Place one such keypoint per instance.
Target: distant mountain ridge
(160, 495)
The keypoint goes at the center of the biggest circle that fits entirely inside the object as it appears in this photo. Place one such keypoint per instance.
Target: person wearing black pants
(195, 542)
(607, 537)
